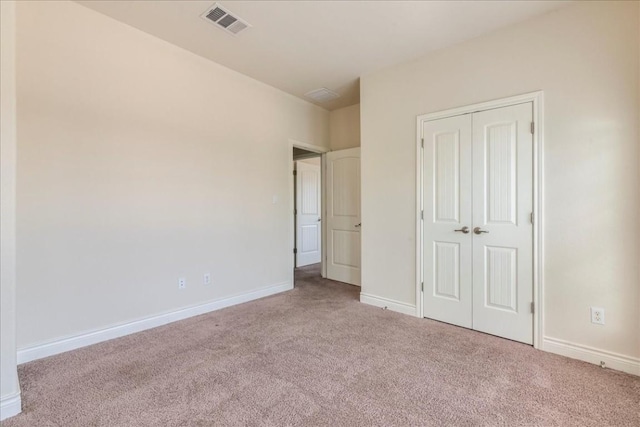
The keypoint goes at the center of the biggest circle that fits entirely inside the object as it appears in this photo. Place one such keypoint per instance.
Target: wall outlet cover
(597, 315)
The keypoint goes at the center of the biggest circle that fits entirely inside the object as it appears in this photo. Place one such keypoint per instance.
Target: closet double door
(477, 227)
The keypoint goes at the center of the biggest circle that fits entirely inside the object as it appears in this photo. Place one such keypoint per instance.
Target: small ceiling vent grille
(225, 20)
(322, 95)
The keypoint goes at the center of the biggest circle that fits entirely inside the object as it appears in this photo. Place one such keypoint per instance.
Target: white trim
(322, 151)
(393, 305)
(309, 147)
(323, 207)
(488, 105)
(71, 343)
(538, 212)
(10, 405)
(538, 197)
(419, 223)
(619, 362)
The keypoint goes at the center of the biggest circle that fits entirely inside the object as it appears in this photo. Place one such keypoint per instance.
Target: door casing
(536, 98)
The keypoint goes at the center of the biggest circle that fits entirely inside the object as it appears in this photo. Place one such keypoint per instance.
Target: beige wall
(8, 373)
(344, 127)
(585, 58)
(140, 162)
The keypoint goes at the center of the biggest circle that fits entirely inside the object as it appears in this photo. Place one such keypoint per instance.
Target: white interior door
(343, 215)
(447, 220)
(308, 213)
(478, 173)
(502, 208)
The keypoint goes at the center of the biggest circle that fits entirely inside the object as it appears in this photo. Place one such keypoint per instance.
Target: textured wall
(585, 59)
(344, 127)
(8, 373)
(140, 163)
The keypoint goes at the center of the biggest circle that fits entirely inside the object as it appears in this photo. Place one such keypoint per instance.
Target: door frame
(536, 98)
(291, 215)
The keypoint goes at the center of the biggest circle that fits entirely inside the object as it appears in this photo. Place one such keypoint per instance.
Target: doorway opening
(307, 212)
(325, 215)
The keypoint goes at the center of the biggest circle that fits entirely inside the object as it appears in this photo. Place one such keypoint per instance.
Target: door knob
(319, 219)
(358, 225)
(478, 230)
(464, 230)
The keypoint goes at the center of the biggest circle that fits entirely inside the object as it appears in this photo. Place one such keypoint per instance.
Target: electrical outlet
(182, 283)
(206, 279)
(597, 315)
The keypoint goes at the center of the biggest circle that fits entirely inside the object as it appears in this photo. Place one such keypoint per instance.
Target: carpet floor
(316, 356)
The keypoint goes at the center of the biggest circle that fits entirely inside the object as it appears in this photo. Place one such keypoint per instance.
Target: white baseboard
(393, 305)
(10, 405)
(619, 362)
(28, 354)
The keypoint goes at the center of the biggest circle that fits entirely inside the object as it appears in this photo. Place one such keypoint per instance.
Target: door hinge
(533, 127)
(422, 286)
(532, 217)
(295, 250)
(295, 172)
(422, 215)
(422, 143)
(533, 307)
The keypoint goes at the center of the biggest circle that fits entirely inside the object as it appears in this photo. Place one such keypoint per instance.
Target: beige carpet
(316, 356)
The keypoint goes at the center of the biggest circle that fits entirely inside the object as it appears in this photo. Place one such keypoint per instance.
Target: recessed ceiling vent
(322, 95)
(225, 20)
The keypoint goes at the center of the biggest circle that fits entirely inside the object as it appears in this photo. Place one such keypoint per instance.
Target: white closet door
(343, 215)
(503, 231)
(308, 219)
(447, 221)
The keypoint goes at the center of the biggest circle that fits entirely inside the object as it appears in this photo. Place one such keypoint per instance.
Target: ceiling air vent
(224, 19)
(322, 95)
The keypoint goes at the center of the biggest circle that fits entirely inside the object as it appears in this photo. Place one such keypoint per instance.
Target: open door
(343, 215)
(308, 208)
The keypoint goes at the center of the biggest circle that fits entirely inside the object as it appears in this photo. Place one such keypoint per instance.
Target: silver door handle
(358, 225)
(478, 230)
(464, 230)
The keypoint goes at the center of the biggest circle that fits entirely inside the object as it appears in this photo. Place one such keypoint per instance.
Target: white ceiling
(298, 46)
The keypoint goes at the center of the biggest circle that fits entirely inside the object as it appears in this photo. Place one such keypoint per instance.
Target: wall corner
(10, 401)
